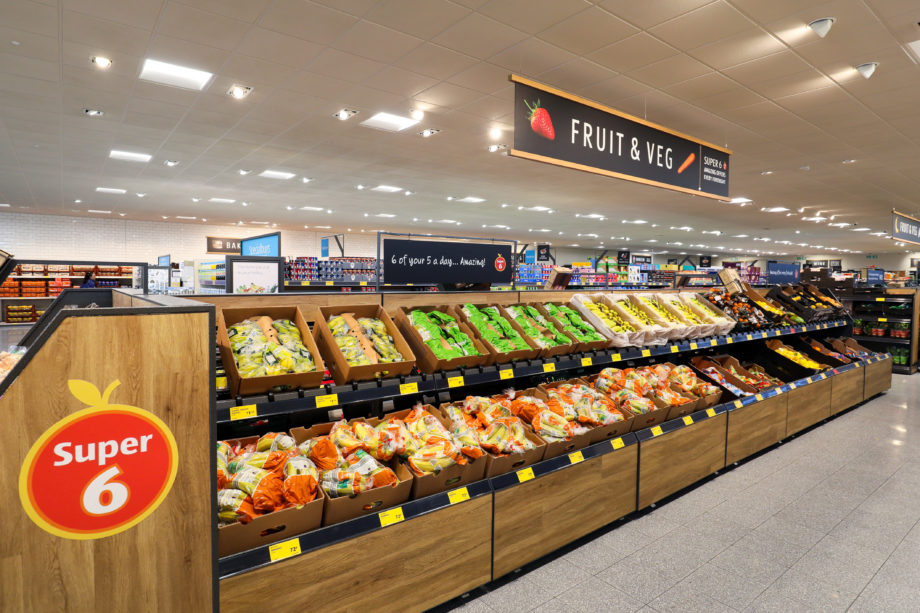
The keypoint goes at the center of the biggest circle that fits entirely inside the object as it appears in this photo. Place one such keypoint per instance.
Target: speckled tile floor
(827, 521)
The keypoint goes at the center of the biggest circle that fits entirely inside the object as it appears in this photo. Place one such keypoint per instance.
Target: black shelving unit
(879, 306)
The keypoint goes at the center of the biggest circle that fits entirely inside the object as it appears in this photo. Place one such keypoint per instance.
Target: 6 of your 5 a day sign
(560, 128)
(100, 470)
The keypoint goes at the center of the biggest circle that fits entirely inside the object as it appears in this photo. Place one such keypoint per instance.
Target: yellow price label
(284, 549)
(576, 456)
(656, 431)
(713, 343)
(779, 391)
(391, 516)
(363, 283)
(615, 357)
(587, 362)
(693, 345)
(737, 404)
(646, 353)
(750, 337)
(674, 348)
(729, 340)
(409, 284)
(883, 319)
(458, 495)
(508, 373)
(823, 376)
(549, 367)
(880, 299)
(808, 380)
(618, 443)
(759, 397)
(688, 421)
(220, 382)
(792, 386)
(327, 400)
(330, 283)
(525, 474)
(710, 412)
(455, 381)
(408, 388)
(244, 412)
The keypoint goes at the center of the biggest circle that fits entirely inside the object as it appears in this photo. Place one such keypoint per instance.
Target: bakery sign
(421, 261)
(220, 244)
(560, 128)
(906, 228)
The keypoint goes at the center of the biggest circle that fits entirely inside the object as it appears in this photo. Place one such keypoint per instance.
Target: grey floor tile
(887, 597)
(817, 594)
(769, 602)
(778, 551)
(872, 530)
(643, 584)
(625, 539)
(594, 556)
(558, 576)
(596, 595)
(654, 525)
(683, 598)
(751, 567)
(724, 586)
(522, 594)
(790, 532)
(476, 605)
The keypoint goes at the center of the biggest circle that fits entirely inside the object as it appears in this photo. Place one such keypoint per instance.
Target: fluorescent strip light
(261, 223)
(389, 122)
(323, 227)
(311, 208)
(222, 200)
(110, 190)
(386, 188)
(774, 209)
(129, 156)
(98, 211)
(276, 174)
(864, 229)
(384, 215)
(4, 206)
(471, 200)
(182, 217)
(175, 75)
(635, 221)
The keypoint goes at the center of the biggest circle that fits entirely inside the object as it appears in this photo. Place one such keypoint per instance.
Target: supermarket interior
(480, 305)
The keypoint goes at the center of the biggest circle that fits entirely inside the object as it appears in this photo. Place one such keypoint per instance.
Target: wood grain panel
(308, 302)
(808, 405)
(847, 389)
(672, 461)
(878, 378)
(165, 562)
(394, 301)
(755, 427)
(539, 516)
(410, 566)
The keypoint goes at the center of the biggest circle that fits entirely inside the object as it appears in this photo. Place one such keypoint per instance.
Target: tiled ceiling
(748, 74)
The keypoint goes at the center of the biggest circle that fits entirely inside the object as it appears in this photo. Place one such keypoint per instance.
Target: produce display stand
(886, 308)
(408, 558)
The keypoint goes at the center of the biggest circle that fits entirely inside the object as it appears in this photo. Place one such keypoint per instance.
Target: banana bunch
(627, 305)
(610, 317)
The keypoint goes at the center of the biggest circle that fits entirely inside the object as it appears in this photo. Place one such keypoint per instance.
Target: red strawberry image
(540, 121)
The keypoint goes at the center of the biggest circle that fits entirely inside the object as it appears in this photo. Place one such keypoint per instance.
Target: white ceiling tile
(307, 20)
(243, 10)
(448, 95)
(436, 61)
(421, 18)
(254, 72)
(483, 77)
(702, 26)
(358, 8)
(532, 16)
(137, 13)
(479, 36)
(633, 52)
(401, 82)
(30, 17)
(376, 42)
(575, 75)
(648, 14)
(733, 50)
(588, 31)
(276, 47)
(531, 57)
(22, 66)
(110, 38)
(670, 71)
(347, 66)
(206, 28)
(31, 45)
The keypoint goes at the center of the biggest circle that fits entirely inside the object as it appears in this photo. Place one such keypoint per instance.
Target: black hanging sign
(622, 257)
(560, 128)
(420, 261)
(220, 244)
(906, 228)
(705, 261)
(542, 253)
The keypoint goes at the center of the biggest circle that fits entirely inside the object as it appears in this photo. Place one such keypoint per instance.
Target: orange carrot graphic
(686, 163)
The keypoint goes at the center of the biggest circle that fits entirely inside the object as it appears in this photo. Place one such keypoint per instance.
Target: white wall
(52, 237)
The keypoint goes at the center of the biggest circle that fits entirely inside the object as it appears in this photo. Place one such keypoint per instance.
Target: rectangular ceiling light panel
(175, 75)
(389, 122)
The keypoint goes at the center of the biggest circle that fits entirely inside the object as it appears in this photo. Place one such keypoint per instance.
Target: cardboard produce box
(425, 358)
(257, 385)
(559, 278)
(674, 330)
(544, 331)
(499, 464)
(341, 371)
(581, 346)
(518, 354)
(448, 478)
(372, 501)
(597, 433)
(616, 339)
(727, 361)
(702, 362)
(654, 417)
(654, 334)
(555, 448)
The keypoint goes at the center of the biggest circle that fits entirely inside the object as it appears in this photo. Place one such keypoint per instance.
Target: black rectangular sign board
(622, 257)
(906, 228)
(420, 261)
(543, 253)
(220, 244)
(560, 128)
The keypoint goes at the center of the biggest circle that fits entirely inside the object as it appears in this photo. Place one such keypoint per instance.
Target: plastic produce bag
(573, 323)
(265, 487)
(235, 506)
(322, 452)
(301, 479)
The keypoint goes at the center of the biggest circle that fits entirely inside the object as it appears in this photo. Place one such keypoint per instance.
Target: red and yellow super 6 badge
(98, 471)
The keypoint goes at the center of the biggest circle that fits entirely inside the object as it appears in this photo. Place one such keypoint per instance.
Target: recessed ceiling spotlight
(77, 201)
(428, 132)
(93, 112)
(110, 190)
(203, 219)
(165, 216)
(359, 187)
(195, 199)
(635, 221)
(345, 114)
(591, 216)
(243, 171)
(408, 193)
(867, 69)
(239, 91)
(471, 200)
(417, 114)
(774, 209)
(100, 212)
(495, 133)
(878, 234)
(244, 204)
(311, 208)
(494, 148)
(848, 162)
(140, 194)
(839, 224)
(305, 179)
(862, 229)
(325, 227)
(129, 156)
(222, 200)
(122, 214)
(390, 189)
(186, 217)
(15, 43)
(805, 167)
(276, 174)
(171, 163)
(388, 215)
(822, 26)
(766, 172)
(165, 73)
(101, 61)
(740, 236)
(289, 207)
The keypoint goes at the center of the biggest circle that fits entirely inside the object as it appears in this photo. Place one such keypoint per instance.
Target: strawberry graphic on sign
(540, 121)
(500, 263)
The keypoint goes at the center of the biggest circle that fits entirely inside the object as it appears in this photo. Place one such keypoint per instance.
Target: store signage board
(324, 247)
(264, 246)
(163, 260)
(705, 261)
(560, 128)
(256, 275)
(622, 257)
(421, 261)
(905, 228)
(783, 272)
(542, 253)
(99, 471)
(875, 275)
(221, 244)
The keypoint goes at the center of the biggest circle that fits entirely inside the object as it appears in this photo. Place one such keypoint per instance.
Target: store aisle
(827, 521)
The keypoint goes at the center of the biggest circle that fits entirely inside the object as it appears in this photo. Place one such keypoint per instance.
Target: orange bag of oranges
(300, 481)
